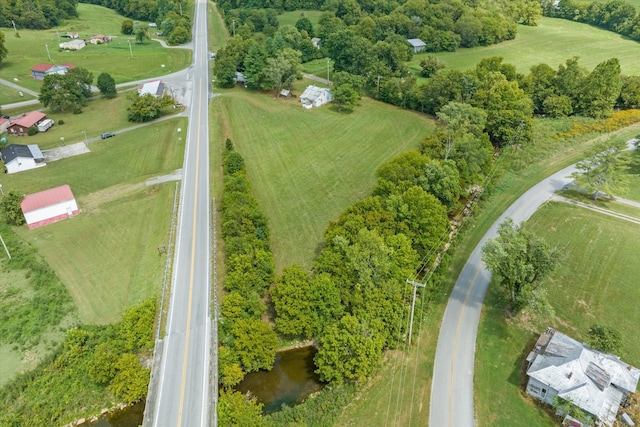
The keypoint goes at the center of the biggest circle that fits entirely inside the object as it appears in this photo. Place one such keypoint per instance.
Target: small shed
(99, 39)
(49, 206)
(4, 124)
(314, 96)
(18, 158)
(240, 78)
(316, 42)
(154, 87)
(417, 45)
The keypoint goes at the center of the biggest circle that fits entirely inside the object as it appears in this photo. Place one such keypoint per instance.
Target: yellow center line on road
(193, 260)
(455, 344)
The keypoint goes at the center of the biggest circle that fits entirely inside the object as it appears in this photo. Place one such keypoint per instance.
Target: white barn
(49, 206)
(18, 158)
(315, 96)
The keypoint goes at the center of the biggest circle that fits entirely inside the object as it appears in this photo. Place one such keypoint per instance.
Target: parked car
(107, 135)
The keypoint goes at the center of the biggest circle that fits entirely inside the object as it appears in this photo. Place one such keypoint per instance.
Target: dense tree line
(614, 15)
(95, 364)
(36, 14)
(247, 343)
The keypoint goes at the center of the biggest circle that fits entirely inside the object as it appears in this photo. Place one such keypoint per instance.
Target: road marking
(193, 260)
(455, 343)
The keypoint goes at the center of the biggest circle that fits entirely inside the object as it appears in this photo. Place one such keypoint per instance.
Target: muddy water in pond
(131, 416)
(289, 382)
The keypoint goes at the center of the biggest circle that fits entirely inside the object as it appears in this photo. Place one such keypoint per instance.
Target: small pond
(290, 382)
(131, 416)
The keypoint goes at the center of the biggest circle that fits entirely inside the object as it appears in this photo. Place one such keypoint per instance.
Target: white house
(18, 158)
(595, 382)
(314, 96)
(49, 206)
(417, 45)
(154, 87)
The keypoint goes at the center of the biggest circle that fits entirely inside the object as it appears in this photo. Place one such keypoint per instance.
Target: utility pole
(130, 51)
(14, 26)
(234, 27)
(46, 46)
(180, 4)
(413, 305)
(5, 247)
(378, 84)
(85, 136)
(328, 62)
(1, 192)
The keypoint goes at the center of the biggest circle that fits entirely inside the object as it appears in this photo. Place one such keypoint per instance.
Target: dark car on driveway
(107, 135)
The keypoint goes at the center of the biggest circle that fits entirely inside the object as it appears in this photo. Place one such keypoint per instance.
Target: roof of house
(41, 67)
(594, 381)
(311, 93)
(29, 119)
(45, 198)
(69, 65)
(3, 120)
(13, 151)
(155, 88)
(416, 42)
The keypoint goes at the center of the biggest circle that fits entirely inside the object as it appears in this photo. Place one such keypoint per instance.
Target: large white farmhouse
(19, 158)
(49, 206)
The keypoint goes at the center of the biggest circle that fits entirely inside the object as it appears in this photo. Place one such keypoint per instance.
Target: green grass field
(596, 282)
(107, 255)
(100, 115)
(113, 58)
(218, 34)
(307, 166)
(552, 42)
(290, 18)
(9, 95)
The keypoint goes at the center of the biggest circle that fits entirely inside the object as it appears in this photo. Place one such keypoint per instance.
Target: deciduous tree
(602, 171)
(146, 107)
(346, 97)
(10, 208)
(521, 261)
(255, 344)
(237, 409)
(107, 85)
(601, 89)
(67, 92)
(127, 27)
(605, 338)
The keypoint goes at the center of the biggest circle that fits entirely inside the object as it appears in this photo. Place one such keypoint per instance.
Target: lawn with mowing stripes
(596, 282)
(307, 166)
(128, 158)
(218, 33)
(107, 255)
(143, 61)
(552, 42)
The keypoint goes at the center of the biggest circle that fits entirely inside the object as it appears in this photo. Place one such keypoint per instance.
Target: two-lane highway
(182, 395)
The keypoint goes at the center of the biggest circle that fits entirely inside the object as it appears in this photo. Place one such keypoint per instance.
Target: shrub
(60, 122)
(32, 131)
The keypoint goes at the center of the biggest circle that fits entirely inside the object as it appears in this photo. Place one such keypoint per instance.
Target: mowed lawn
(107, 255)
(290, 18)
(595, 283)
(98, 116)
(307, 166)
(552, 42)
(9, 95)
(114, 58)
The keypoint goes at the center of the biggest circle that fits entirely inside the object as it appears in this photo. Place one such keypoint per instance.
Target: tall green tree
(346, 97)
(349, 351)
(255, 67)
(140, 31)
(237, 409)
(146, 107)
(67, 92)
(460, 119)
(10, 208)
(602, 171)
(107, 85)
(521, 261)
(601, 89)
(127, 27)
(3, 49)
(255, 344)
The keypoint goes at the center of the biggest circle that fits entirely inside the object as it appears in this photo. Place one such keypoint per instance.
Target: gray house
(417, 45)
(595, 382)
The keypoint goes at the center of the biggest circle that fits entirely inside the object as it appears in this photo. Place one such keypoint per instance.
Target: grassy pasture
(290, 18)
(307, 166)
(552, 42)
(107, 255)
(9, 95)
(596, 282)
(218, 33)
(113, 58)
(100, 115)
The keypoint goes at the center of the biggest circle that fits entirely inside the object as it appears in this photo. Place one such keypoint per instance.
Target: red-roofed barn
(49, 206)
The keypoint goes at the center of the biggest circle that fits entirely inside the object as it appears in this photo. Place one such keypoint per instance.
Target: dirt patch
(92, 202)
(66, 151)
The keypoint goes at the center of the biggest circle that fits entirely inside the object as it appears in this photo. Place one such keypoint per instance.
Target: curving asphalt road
(181, 397)
(452, 386)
